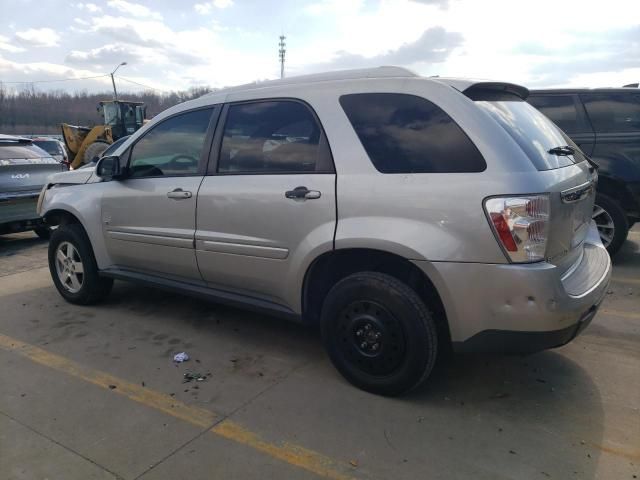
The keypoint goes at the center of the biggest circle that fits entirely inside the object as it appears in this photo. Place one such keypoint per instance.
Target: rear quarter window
(404, 133)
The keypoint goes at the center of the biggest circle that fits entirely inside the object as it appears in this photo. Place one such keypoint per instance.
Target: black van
(605, 123)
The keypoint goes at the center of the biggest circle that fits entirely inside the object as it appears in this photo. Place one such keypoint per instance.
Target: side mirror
(108, 168)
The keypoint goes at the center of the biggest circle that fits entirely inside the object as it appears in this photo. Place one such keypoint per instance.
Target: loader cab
(123, 117)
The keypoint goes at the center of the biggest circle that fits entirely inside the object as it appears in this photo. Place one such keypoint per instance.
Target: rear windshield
(23, 154)
(534, 132)
(50, 146)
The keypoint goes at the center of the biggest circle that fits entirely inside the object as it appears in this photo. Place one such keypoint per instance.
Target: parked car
(403, 215)
(24, 169)
(605, 123)
(53, 147)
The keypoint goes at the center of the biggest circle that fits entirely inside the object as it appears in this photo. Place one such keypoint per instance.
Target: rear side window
(408, 134)
(171, 148)
(562, 111)
(613, 112)
(266, 137)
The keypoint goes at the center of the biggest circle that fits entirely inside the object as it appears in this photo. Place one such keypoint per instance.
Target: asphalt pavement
(93, 393)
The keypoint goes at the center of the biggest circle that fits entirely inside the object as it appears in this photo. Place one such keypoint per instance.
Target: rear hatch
(569, 177)
(24, 168)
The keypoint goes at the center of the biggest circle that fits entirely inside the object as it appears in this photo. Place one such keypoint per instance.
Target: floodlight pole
(113, 82)
(281, 53)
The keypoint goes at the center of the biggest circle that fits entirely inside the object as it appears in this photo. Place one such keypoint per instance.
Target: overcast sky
(177, 44)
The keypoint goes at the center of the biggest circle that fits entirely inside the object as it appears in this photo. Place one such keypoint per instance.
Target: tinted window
(561, 109)
(172, 147)
(613, 112)
(52, 147)
(408, 134)
(272, 137)
(532, 131)
(13, 154)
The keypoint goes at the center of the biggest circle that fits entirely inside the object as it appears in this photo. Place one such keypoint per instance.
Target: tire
(94, 150)
(611, 221)
(368, 309)
(43, 232)
(72, 242)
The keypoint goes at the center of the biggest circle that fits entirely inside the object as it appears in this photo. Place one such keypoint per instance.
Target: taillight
(521, 224)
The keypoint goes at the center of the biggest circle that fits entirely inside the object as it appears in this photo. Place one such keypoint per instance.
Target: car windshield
(13, 154)
(533, 132)
(52, 147)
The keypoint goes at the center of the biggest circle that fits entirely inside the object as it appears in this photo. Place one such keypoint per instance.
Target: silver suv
(403, 215)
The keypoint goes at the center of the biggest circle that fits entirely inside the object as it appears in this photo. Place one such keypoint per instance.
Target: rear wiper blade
(563, 150)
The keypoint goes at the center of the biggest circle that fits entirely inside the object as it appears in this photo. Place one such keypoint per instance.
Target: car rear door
(268, 205)
(149, 217)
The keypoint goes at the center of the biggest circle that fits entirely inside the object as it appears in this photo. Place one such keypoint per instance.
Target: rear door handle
(302, 193)
(179, 194)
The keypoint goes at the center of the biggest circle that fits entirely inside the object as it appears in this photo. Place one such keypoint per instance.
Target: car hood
(75, 177)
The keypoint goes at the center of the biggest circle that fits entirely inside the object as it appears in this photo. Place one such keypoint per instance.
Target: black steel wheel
(379, 334)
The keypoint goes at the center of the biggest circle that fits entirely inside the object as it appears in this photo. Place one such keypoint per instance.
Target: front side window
(171, 148)
(562, 111)
(613, 112)
(279, 136)
(408, 134)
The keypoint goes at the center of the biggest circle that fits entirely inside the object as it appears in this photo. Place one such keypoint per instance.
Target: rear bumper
(509, 341)
(520, 307)
(18, 212)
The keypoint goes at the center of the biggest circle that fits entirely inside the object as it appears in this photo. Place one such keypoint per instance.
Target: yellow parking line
(635, 281)
(619, 313)
(292, 454)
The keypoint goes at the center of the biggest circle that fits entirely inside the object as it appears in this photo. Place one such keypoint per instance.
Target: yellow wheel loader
(120, 118)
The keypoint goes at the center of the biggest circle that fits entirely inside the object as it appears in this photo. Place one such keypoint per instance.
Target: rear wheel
(379, 334)
(95, 150)
(73, 266)
(611, 221)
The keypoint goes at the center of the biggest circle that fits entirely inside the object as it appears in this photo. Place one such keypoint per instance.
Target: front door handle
(179, 194)
(302, 193)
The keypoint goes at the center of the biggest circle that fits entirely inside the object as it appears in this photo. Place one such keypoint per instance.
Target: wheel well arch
(617, 190)
(329, 268)
(60, 217)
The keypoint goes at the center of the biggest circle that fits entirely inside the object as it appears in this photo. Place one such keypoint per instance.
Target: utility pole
(115, 93)
(281, 52)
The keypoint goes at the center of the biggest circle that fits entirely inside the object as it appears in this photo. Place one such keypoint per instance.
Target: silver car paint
(435, 220)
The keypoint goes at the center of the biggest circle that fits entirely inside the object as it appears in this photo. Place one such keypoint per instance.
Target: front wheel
(611, 221)
(73, 266)
(378, 333)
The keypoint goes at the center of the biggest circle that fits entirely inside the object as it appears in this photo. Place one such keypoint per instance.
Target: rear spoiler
(496, 91)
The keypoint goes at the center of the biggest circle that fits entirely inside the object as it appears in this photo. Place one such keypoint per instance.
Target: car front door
(267, 205)
(148, 217)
